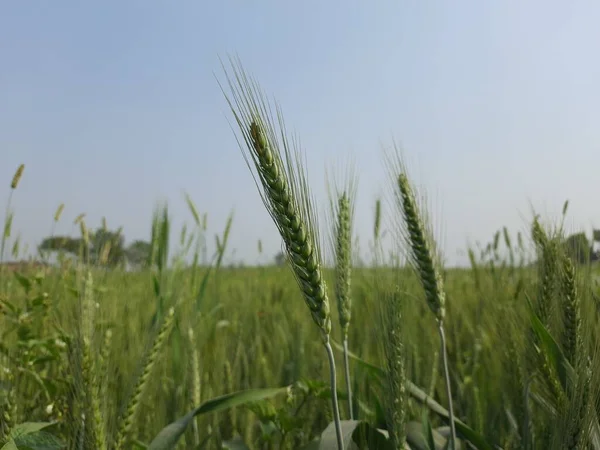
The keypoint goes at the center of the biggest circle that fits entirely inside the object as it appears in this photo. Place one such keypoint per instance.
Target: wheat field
(401, 354)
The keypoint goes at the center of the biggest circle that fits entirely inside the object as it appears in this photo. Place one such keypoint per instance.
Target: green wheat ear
(17, 177)
(548, 265)
(128, 420)
(342, 195)
(94, 423)
(423, 255)
(572, 337)
(395, 401)
(343, 266)
(424, 258)
(284, 189)
(377, 221)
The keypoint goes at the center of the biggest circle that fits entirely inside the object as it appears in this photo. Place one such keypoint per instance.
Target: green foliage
(280, 259)
(83, 359)
(32, 436)
(138, 252)
(248, 313)
(105, 248)
(169, 435)
(578, 247)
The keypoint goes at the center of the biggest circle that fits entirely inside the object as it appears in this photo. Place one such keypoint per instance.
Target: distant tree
(61, 243)
(138, 253)
(280, 259)
(105, 248)
(578, 247)
(596, 240)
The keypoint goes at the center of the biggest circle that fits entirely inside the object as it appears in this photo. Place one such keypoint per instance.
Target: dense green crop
(179, 353)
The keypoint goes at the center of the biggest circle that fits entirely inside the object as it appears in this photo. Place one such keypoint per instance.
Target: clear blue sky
(114, 105)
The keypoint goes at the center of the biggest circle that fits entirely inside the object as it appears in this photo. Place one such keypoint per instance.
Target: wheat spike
(393, 346)
(130, 416)
(17, 177)
(284, 192)
(572, 341)
(94, 424)
(422, 253)
(286, 195)
(425, 259)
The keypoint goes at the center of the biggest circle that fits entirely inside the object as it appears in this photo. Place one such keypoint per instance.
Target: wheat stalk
(426, 261)
(394, 351)
(94, 423)
(195, 391)
(132, 410)
(581, 394)
(548, 272)
(547, 269)
(342, 203)
(286, 195)
(377, 221)
(572, 339)
(422, 253)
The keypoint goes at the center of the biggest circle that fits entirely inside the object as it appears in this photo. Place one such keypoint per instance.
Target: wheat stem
(448, 387)
(394, 351)
(348, 380)
(427, 264)
(334, 397)
(342, 215)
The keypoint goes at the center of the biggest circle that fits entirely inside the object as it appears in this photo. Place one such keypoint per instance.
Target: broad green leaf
(369, 437)
(329, 436)
(168, 436)
(427, 431)
(419, 440)
(235, 444)
(29, 436)
(23, 281)
(39, 440)
(371, 368)
(357, 435)
(463, 430)
(417, 393)
(552, 351)
(445, 433)
(25, 428)
(596, 432)
(312, 445)
(10, 445)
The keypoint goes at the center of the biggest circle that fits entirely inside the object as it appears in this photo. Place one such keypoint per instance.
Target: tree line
(103, 248)
(107, 248)
(581, 249)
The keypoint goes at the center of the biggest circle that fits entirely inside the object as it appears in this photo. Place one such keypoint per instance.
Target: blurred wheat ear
(342, 196)
(9, 215)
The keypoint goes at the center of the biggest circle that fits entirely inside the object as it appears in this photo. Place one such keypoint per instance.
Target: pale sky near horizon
(114, 106)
